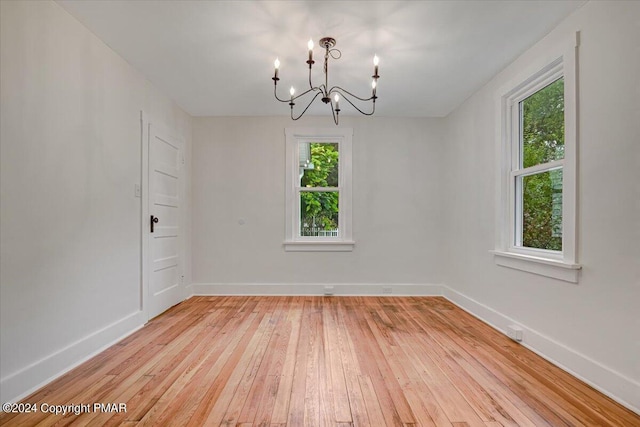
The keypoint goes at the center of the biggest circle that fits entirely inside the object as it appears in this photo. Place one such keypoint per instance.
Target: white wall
(238, 174)
(593, 327)
(70, 156)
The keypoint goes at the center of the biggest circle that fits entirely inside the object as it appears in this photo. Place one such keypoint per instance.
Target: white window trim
(559, 265)
(293, 240)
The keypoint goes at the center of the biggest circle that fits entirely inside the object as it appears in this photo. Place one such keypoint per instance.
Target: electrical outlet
(387, 290)
(514, 332)
(137, 191)
(328, 290)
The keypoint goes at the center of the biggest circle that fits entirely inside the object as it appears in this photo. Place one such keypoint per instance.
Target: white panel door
(165, 206)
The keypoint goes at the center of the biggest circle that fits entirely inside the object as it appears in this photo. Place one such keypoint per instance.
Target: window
(537, 201)
(318, 190)
(537, 168)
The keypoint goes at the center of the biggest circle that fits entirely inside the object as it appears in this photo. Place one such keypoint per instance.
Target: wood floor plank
(179, 401)
(549, 375)
(334, 359)
(312, 402)
(434, 337)
(543, 404)
(260, 400)
(430, 374)
(322, 361)
(485, 403)
(367, 359)
(255, 354)
(546, 402)
(296, 395)
(280, 413)
(188, 358)
(372, 404)
(351, 368)
(424, 404)
(219, 388)
(383, 376)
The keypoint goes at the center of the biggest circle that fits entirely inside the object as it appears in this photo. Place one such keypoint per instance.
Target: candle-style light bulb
(292, 91)
(310, 46)
(336, 97)
(276, 65)
(376, 61)
(374, 84)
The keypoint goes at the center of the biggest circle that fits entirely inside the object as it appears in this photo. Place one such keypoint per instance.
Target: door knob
(154, 220)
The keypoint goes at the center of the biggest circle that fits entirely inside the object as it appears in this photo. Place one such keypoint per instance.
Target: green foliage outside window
(542, 142)
(319, 209)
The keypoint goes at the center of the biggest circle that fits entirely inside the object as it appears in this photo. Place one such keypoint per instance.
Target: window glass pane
(318, 164)
(319, 213)
(543, 125)
(542, 210)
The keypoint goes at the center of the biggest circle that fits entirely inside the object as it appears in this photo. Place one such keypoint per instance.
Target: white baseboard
(343, 289)
(617, 386)
(22, 383)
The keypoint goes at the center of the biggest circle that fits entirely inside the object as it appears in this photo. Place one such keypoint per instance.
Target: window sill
(542, 266)
(319, 246)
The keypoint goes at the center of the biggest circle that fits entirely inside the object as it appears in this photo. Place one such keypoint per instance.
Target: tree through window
(319, 193)
(539, 185)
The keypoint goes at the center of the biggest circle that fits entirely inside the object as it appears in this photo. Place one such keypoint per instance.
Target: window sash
(515, 125)
(297, 229)
(554, 72)
(299, 189)
(516, 205)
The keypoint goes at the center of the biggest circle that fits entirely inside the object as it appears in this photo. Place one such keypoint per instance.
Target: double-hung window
(318, 189)
(537, 203)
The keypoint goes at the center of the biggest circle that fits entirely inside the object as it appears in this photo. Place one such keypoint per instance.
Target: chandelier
(327, 93)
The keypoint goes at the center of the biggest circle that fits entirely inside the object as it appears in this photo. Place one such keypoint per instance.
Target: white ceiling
(215, 58)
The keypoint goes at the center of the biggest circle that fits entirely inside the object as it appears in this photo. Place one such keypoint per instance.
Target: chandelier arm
(306, 108)
(306, 92)
(362, 112)
(295, 97)
(344, 91)
(275, 93)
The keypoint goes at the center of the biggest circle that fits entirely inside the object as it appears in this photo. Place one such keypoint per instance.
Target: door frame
(145, 122)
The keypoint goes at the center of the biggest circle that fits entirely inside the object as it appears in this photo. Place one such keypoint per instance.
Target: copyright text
(72, 408)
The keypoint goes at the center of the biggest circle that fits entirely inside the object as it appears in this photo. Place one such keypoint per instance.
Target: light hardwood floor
(328, 361)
